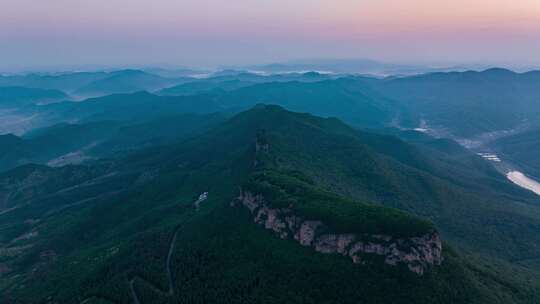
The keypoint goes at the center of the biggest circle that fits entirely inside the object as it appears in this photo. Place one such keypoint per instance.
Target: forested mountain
(63, 143)
(66, 82)
(451, 104)
(13, 97)
(454, 104)
(204, 86)
(467, 104)
(522, 149)
(329, 188)
(127, 81)
(258, 204)
(90, 84)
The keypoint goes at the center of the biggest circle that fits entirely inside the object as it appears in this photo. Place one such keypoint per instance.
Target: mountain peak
(498, 71)
(268, 107)
(129, 72)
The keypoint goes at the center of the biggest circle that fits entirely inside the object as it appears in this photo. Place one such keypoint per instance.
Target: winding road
(133, 292)
(170, 291)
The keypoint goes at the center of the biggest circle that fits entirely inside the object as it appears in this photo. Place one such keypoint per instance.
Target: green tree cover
(91, 250)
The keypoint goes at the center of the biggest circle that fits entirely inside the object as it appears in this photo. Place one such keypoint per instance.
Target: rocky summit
(417, 253)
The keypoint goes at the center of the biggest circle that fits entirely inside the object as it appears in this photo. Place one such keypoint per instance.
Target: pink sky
(217, 31)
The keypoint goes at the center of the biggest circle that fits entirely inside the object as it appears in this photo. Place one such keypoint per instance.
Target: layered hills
(229, 188)
(291, 202)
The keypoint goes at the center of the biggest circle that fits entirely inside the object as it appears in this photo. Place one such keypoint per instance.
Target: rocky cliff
(417, 253)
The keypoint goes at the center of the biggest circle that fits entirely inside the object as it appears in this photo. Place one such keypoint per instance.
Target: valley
(485, 142)
(516, 177)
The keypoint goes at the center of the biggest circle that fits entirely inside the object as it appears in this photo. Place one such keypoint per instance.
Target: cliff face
(417, 253)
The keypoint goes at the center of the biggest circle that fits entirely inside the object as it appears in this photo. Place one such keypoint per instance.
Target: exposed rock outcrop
(417, 253)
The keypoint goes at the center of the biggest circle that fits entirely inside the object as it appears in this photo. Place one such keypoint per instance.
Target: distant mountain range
(340, 66)
(360, 66)
(127, 81)
(88, 84)
(14, 97)
(454, 104)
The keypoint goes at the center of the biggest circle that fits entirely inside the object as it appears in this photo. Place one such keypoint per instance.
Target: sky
(220, 32)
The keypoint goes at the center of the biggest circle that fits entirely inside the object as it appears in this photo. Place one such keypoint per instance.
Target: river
(517, 177)
(523, 181)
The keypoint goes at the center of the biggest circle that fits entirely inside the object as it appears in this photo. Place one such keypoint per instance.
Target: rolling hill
(64, 144)
(127, 81)
(66, 82)
(521, 149)
(21, 96)
(468, 104)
